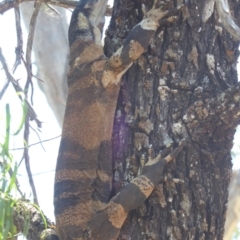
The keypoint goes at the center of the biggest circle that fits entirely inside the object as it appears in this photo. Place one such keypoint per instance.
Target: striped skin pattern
(84, 166)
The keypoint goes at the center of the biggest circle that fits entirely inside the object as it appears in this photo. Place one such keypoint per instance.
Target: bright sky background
(42, 162)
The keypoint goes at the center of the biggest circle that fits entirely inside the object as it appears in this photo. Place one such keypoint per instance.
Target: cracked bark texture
(184, 86)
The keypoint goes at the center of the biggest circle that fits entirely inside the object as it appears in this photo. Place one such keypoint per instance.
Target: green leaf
(42, 215)
(7, 137)
(26, 221)
(24, 115)
(12, 180)
(1, 212)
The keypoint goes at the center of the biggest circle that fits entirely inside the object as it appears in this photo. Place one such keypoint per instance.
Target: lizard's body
(84, 166)
(88, 182)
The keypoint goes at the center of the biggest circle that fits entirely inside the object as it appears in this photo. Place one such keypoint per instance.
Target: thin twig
(19, 48)
(39, 173)
(55, 11)
(24, 62)
(32, 73)
(29, 47)
(9, 76)
(26, 88)
(39, 79)
(20, 162)
(50, 139)
(27, 162)
(4, 89)
(8, 4)
(32, 114)
(31, 83)
(38, 138)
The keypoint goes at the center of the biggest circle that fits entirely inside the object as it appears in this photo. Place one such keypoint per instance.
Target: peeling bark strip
(84, 167)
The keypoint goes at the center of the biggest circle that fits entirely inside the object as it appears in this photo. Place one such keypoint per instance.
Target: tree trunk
(182, 87)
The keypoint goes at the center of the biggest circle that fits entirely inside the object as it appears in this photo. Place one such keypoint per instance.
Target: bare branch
(32, 114)
(4, 89)
(9, 76)
(28, 66)
(8, 4)
(19, 48)
(27, 162)
(226, 18)
(29, 47)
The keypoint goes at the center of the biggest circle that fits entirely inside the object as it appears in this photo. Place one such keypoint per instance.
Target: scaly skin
(84, 166)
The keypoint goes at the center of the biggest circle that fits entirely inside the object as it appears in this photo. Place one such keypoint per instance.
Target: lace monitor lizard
(84, 167)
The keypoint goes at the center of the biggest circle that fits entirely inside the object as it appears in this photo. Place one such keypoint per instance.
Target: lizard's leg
(166, 151)
(107, 223)
(135, 44)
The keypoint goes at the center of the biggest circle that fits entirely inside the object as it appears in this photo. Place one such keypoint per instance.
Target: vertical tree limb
(19, 48)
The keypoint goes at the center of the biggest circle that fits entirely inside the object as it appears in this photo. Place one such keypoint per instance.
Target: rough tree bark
(185, 85)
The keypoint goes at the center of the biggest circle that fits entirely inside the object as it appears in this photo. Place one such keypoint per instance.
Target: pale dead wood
(227, 19)
(233, 212)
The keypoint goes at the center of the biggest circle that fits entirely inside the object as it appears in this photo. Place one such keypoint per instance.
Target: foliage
(7, 184)
(10, 201)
